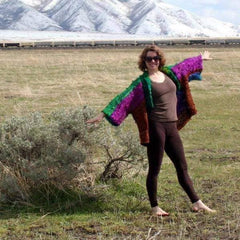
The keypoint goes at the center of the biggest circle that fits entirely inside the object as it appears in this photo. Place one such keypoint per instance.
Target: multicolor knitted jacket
(137, 98)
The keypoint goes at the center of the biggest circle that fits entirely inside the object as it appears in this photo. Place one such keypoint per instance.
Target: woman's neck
(156, 76)
(150, 73)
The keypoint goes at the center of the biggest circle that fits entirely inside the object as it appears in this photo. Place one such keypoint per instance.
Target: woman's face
(152, 61)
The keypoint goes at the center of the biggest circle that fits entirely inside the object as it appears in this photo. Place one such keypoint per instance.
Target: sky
(223, 10)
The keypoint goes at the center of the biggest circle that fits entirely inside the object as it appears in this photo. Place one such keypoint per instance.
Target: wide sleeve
(185, 71)
(124, 103)
(188, 67)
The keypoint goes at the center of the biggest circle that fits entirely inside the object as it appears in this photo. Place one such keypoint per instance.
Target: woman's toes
(157, 211)
(200, 206)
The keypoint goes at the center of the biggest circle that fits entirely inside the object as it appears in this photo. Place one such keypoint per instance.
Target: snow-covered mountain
(145, 17)
(16, 15)
(90, 16)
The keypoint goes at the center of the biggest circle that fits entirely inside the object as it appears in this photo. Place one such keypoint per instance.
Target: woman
(159, 113)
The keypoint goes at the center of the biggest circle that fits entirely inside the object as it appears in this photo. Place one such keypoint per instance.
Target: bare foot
(157, 211)
(200, 206)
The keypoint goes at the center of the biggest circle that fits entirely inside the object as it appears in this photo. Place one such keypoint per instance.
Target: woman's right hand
(96, 119)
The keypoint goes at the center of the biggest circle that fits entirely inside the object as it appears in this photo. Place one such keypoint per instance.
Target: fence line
(123, 43)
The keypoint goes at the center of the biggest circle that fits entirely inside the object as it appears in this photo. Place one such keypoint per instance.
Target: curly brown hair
(141, 63)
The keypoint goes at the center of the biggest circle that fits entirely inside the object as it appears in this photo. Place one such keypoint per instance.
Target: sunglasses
(149, 59)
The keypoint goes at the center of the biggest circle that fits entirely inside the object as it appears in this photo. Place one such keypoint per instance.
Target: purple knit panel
(128, 104)
(188, 66)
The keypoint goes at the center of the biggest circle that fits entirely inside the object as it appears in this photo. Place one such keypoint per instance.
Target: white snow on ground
(26, 36)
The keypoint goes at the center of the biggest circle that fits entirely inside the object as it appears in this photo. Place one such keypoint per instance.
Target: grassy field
(45, 80)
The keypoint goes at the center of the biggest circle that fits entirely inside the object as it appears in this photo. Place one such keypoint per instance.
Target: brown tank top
(165, 101)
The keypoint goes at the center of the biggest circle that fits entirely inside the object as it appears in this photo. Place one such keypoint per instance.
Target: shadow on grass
(119, 195)
(59, 202)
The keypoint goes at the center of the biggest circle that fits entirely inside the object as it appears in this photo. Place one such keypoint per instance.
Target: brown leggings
(165, 136)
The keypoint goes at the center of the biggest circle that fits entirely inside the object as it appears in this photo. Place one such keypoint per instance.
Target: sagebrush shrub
(35, 151)
(60, 152)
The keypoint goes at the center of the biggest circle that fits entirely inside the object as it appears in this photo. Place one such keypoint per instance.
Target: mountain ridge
(145, 17)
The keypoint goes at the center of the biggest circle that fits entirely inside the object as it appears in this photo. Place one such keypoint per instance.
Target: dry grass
(43, 80)
(48, 79)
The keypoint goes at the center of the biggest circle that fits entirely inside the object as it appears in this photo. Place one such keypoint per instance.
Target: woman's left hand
(206, 55)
